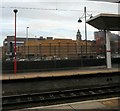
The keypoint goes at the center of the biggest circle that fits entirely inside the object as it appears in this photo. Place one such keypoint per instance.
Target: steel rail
(9, 102)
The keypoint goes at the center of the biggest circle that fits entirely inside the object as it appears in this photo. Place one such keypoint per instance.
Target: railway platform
(68, 72)
(109, 103)
(96, 82)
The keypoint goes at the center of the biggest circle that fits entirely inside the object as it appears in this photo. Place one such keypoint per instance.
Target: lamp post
(84, 16)
(27, 41)
(15, 63)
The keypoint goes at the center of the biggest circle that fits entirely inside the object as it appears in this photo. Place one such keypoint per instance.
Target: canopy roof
(105, 22)
(114, 1)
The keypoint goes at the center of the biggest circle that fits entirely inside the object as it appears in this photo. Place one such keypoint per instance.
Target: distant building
(49, 38)
(49, 48)
(1, 52)
(100, 42)
(59, 48)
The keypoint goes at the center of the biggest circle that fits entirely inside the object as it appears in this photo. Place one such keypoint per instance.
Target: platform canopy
(114, 1)
(104, 21)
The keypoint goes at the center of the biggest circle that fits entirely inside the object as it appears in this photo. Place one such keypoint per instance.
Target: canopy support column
(108, 50)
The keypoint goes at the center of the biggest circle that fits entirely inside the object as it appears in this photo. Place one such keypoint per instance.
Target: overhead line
(50, 9)
(29, 8)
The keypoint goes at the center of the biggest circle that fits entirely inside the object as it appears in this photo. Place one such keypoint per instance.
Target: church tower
(78, 36)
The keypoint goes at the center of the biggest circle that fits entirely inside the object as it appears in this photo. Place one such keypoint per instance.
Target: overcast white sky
(53, 18)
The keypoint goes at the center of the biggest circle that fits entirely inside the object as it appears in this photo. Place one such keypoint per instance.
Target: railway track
(55, 97)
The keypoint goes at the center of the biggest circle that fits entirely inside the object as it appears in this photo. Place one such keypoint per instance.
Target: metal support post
(108, 50)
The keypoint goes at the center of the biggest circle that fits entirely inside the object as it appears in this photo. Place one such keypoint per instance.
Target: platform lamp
(85, 15)
(27, 41)
(15, 63)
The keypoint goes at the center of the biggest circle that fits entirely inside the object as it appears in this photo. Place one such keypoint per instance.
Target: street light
(27, 33)
(15, 63)
(27, 41)
(85, 14)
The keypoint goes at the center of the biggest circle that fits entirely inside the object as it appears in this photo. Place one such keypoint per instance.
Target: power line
(51, 9)
(29, 8)
(46, 9)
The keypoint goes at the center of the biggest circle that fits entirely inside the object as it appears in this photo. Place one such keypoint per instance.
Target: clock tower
(78, 35)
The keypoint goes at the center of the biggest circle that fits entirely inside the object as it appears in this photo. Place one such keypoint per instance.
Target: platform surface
(77, 71)
(109, 103)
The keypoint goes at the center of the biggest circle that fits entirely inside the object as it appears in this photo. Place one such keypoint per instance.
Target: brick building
(58, 48)
(49, 48)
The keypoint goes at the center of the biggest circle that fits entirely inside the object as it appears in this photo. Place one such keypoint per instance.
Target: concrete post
(108, 50)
